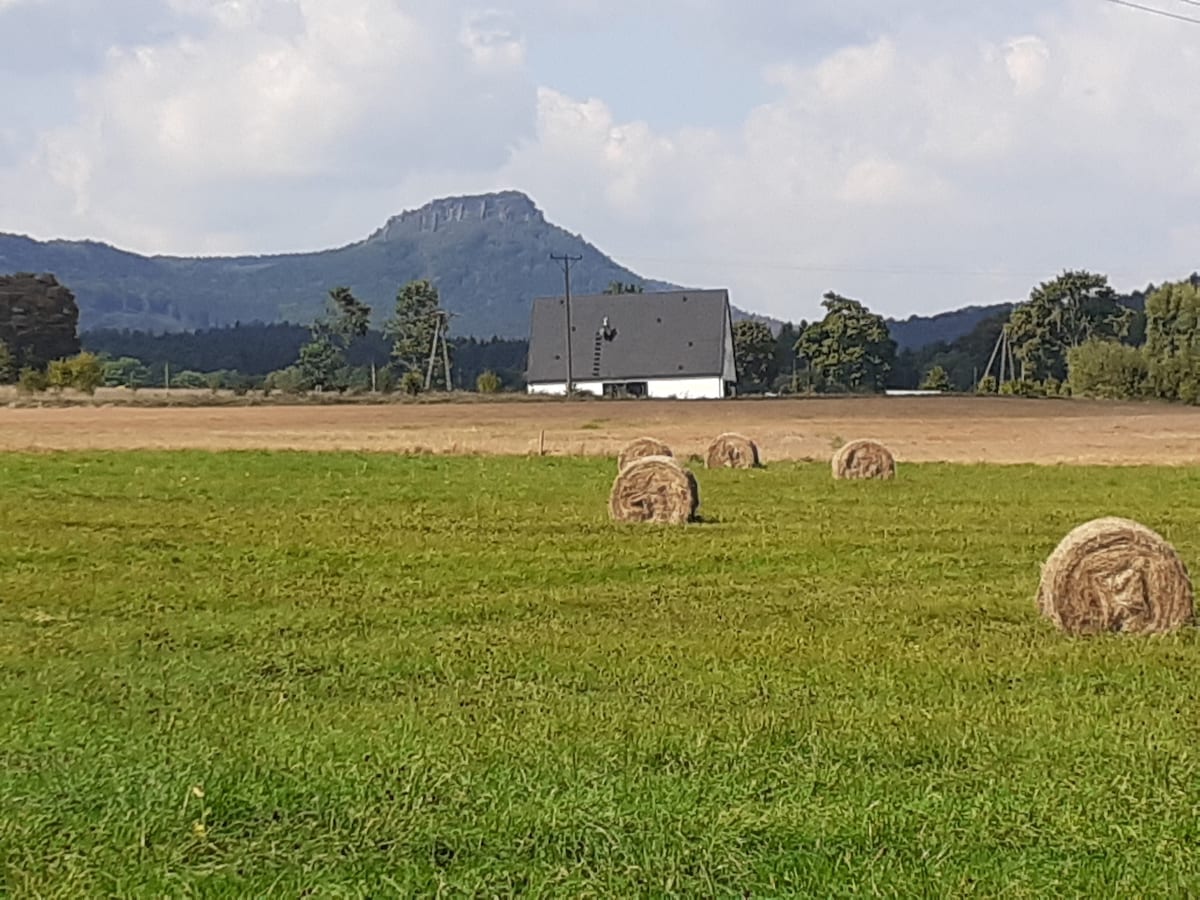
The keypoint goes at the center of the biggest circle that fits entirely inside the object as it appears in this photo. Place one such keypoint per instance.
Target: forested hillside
(488, 255)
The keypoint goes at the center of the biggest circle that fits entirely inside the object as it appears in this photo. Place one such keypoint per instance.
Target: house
(669, 344)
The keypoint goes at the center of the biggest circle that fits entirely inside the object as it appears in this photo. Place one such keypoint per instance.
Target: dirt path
(958, 429)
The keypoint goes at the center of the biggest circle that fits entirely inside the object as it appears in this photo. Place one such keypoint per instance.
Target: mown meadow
(344, 675)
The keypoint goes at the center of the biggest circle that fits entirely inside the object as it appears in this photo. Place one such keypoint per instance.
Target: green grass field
(349, 675)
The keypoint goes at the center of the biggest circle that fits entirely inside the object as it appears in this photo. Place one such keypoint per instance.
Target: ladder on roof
(597, 351)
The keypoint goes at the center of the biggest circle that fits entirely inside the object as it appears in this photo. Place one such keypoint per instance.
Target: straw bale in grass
(1115, 575)
(864, 459)
(732, 451)
(640, 449)
(654, 489)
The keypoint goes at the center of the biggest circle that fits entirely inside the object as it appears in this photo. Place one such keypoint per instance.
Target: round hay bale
(654, 489)
(732, 451)
(1115, 575)
(864, 459)
(640, 449)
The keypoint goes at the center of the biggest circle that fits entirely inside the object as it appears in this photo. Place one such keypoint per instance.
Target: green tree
(1173, 341)
(414, 324)
(350, 318)
(1073, 308)
(320, 363)
(936, 379)
(488, 382)
(850, 348)
(1108, 370)
(8, 364)
(785, 354)
(754, 350)
(620, 287)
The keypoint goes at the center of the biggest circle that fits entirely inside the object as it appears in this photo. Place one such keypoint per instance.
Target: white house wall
(559, 388)
(686, 388)
(659, 388)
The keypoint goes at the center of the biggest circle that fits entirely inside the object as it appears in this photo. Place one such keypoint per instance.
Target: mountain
(916, 332)
(489, 256)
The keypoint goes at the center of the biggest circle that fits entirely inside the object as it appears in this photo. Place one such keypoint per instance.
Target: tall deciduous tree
(1073, 308)
(322, 361)
(1173, 341)
(414, 324)
(850, 348)
(754, 349)
(350, 318)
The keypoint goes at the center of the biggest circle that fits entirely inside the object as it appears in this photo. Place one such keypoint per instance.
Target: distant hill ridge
(488, 254)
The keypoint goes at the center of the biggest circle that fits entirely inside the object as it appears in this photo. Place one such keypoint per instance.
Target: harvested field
(951, 429)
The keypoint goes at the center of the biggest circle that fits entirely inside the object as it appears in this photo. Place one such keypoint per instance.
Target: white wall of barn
(687, 388)
(712, 388)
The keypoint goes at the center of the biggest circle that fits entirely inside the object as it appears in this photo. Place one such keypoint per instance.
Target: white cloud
(917, 172)
(492, 39)
(924, 156)
(258, 103)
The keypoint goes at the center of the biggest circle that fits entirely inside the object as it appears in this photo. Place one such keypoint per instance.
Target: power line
(1160, 12)
(822, 268)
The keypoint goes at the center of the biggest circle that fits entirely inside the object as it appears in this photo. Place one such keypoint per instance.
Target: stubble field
(953, 429)
(356, 674)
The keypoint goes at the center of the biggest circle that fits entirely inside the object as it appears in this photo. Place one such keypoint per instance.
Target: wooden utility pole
(566, 262)
(440, 327)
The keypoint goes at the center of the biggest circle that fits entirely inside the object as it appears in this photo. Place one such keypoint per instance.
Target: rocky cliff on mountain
(505, 208)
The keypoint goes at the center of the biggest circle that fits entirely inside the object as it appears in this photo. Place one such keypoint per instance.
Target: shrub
(188, 380)
(488, 382)
(987, 385)
(87, 372)
(412, 383)
(126, 372)
(58, 375)
(32, 381)
(1107, 370)
(936, 379)
(286, 381)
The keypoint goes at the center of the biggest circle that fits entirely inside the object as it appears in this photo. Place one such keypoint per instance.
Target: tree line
(1074, 335)
(848, 351)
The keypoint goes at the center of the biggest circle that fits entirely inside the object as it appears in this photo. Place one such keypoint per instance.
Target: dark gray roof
(675, 334)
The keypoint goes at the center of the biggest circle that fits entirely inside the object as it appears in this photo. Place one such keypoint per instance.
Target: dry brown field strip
(951, 429)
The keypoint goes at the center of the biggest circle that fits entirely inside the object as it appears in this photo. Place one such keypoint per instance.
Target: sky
(920, 155)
